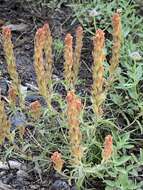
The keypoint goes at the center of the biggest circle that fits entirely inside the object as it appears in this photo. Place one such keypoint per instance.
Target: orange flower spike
(68, 56)
(39, 43)
(69, 49)
(57, 161)
(35, 108)
(108, 148)
(7, 32)
(74, 107)
(68, 41)
(116, 20)
(39, 65)
(39, 40)
(35, 105)
(10, 60)
(77, 51)
(99, 40)
(117, 31)
(48, 61)
(98, 94)
(48, 49)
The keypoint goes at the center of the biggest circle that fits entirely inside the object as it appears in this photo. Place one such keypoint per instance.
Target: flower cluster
(98, 93)
(108, 148)
(10, 59)
(48, 56)
(35, 109)
(38, 63)
(74, 108)
(57, 161)
(72, 58)
(43, 68)
(77, 52)
(116, 22)
(68, 56)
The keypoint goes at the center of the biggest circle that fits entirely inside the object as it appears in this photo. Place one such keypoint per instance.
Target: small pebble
(18, 120)
(22, 174)
(2, 173)
(60, 185)
(9, 179)
(12, 164)
(135, 56)
(34, 187)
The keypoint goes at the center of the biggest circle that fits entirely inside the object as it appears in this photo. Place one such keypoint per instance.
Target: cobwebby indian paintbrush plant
(48, 61)
(39, 65)
(68, 64)
(117, 30)
(57, 161)
(10, 59)
(77, 52)
(98, 93)
(5, 125)
(108, 148)
(72, 58)
(74, 108)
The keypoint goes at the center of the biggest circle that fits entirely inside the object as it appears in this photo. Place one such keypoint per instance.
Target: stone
(60, 185)
(17, 119)
(4, 87)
